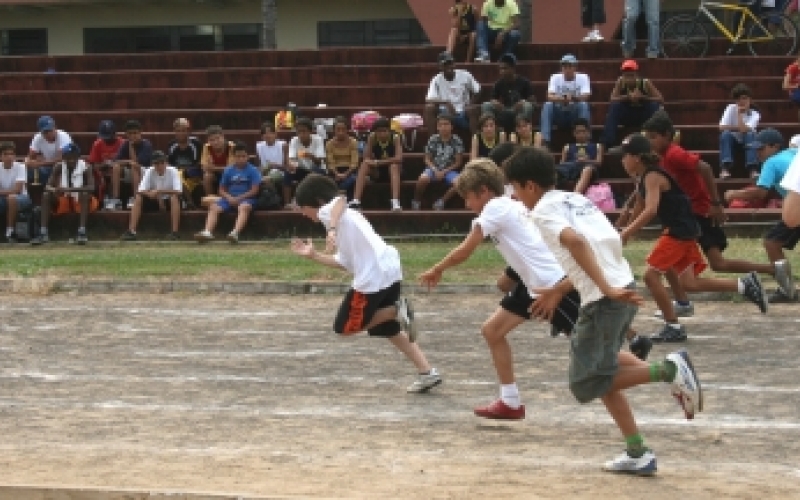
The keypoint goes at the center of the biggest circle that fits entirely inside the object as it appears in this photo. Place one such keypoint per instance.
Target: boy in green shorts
(589, 250)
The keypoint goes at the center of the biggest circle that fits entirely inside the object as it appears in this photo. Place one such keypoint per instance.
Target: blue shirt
(143, 150)
(773, 170)
(237, 181)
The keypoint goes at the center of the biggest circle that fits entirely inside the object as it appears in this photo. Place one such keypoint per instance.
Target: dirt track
(255, 396)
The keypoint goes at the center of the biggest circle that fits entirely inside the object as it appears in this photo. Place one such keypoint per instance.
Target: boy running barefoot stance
(541, 288)
(374, 302)
(589, 250)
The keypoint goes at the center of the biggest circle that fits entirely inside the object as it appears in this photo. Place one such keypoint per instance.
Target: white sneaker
(438, 205)
(405, 316)
(482, 58)
(425, 382)
(130, 203)
(203, 236)
(625, 464)
(233, 237)
(589, 37)
(396, 206)
(415, 205)
(686, 386)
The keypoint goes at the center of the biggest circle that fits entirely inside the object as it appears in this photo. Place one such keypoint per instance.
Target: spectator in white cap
(45, 150)
(568, 94)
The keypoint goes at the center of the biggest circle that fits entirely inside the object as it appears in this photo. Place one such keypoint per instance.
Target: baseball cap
(158, 156)
(794, 142)
(629, 65)
(181, 123)
(766, 137)
(45, 123)
(569, 59)
(509, 59)
(635, 144)
(107, 130)
(445, 58)
(71, 149)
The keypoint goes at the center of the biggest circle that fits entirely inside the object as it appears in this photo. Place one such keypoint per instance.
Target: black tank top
(674, 209)
(466, 20)
(483, 148)
(383, 151)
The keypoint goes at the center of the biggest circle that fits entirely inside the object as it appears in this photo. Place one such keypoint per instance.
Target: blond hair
(479, 173)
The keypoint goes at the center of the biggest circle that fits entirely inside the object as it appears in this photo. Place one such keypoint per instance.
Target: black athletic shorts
(786, 235)
(151, 205)
(358, 308)
(518, 302)
(711, 235)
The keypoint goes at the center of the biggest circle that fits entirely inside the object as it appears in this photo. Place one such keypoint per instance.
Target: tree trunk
(269, 17)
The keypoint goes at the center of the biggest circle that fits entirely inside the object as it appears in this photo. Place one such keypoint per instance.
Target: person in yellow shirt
(499, 26)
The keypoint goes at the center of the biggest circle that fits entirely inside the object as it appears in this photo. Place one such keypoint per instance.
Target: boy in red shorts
(68, 190)
(676, 249)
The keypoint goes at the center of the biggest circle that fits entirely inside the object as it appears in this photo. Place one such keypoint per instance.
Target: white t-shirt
(270, 154)
(730, 119)
(577, 87)
(317, 148)
(48, 150)
(170, 181)
(559, 210)
(374, 264)
(457, 92)
(791, 179)
(9, 177)
(506, 222)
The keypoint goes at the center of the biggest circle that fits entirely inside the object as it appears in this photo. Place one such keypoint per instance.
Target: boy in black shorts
(374, 302)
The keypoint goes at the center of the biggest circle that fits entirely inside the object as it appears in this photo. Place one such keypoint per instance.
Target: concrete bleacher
(240, 90)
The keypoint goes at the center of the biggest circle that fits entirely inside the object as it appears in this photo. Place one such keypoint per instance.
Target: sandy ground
(255, 396)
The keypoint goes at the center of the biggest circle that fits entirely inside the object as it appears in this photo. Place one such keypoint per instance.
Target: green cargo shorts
(594, 346)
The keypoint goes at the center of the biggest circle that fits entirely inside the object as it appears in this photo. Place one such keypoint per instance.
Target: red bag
(760, 203)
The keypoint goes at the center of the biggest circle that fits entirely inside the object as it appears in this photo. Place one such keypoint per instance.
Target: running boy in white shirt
(540, 288)
(589, 250)
(374, 302)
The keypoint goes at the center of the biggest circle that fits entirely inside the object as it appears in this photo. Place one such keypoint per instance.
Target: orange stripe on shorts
(355, 316)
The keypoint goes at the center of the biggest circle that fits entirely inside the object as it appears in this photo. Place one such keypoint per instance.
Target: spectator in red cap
(633, 101)
(102, 155)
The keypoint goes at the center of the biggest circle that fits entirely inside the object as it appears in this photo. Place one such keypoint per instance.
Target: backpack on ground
(755, 203)
(28, 223)
(406, 126)
(268, 199)
(602, 196)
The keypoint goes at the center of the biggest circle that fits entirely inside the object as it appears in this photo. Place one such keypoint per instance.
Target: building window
(172, 38)
(23, 42)
(374, 33)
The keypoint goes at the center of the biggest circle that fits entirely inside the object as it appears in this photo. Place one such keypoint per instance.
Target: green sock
(662, 371)
(634, 445)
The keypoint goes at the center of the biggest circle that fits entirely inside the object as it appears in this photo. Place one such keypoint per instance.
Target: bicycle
(770, 33)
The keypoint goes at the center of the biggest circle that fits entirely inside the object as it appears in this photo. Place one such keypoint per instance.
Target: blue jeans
(460, 120)
(561, 116)
(23, 203)
(507, 117)
(486, 36)
(347, 185)
(652, 13)
(44, 175)
(727, 141)
(625, 113)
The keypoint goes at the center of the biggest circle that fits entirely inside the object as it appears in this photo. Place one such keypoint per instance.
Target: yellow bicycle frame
(746, 13)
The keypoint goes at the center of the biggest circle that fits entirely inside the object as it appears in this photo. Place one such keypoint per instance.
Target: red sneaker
(500, 411)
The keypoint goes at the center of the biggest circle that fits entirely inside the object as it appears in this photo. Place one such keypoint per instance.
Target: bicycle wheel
(684, 36)
(784, 33)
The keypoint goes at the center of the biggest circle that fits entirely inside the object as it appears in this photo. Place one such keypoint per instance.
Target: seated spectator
(487, 137)
(499, 27)
(160, 191)
(216, 156)
(341, 153)
(580, 160)
(134, 155)
(383, 159)
(652, 14)
(306, 155)
(633, 101)
(512, 95)
(451, 92)
(13, 195)
(102, 155)
(791, 82)
(443, 160)
(776, 161)
(273, 155)
(463, 28)
(523, 133)
(738, 129)
(45, 150)
(568, 94)
(238, 192)
(68, 190)
(184, 153)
